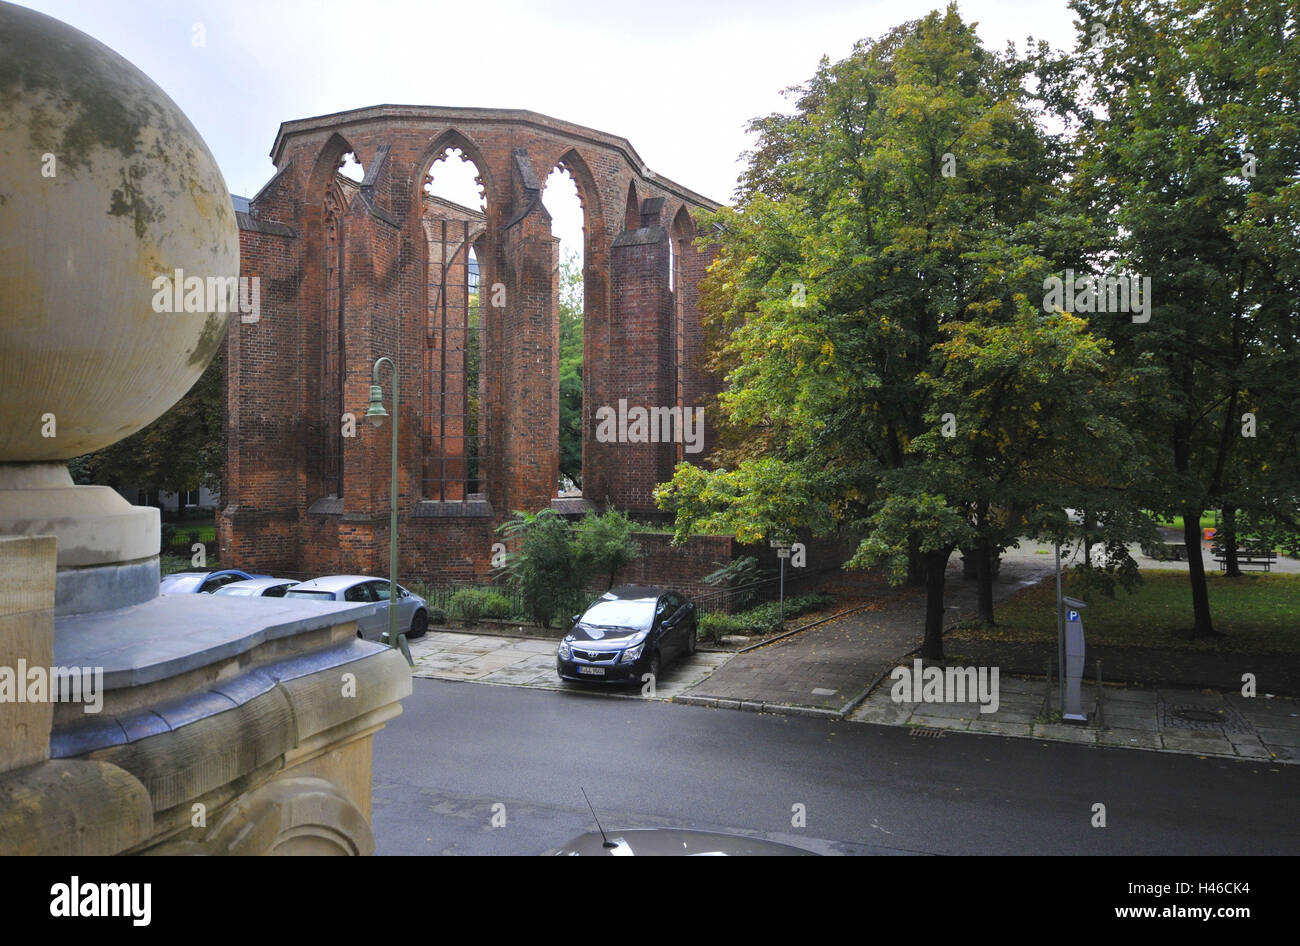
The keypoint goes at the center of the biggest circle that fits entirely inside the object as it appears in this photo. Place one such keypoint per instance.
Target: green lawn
(1257, 613)
(1207, 521)
(206, 528)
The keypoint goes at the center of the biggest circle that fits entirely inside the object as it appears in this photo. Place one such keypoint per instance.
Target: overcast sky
(677, 78)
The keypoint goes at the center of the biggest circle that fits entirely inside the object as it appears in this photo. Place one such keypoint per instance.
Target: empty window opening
(451, 424)
(563, 202)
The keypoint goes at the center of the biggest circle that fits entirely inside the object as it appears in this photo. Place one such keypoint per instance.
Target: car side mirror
(575, 619)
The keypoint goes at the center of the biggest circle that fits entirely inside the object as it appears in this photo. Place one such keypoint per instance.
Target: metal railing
(754, 593)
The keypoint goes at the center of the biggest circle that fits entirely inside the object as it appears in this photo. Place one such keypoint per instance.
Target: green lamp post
(376, 414)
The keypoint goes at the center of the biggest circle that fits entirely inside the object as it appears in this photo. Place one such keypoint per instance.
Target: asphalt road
(463, 755)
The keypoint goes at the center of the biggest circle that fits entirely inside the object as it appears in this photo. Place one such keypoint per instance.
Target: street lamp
(376, 414)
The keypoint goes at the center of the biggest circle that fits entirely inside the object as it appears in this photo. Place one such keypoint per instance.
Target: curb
(783, 709)
(790, 633)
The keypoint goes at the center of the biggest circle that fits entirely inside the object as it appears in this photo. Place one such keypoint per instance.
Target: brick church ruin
(350, 271)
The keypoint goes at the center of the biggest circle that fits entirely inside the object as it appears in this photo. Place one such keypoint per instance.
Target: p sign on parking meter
(1074, 647)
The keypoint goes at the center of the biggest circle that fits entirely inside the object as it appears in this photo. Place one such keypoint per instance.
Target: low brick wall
(681, 568)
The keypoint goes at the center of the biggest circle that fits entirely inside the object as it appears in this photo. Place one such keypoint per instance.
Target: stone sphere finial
(108, 198)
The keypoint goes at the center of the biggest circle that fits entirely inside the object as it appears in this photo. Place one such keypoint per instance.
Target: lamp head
(376, 413)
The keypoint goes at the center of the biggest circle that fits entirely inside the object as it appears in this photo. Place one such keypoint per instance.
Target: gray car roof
(335, 582)
(259, 582)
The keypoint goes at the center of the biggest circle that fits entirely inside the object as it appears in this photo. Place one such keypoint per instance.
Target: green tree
(571, 346)
(542, 569)
(1035, 428)
(1189, 160)
(603, 545)
(181, 450)
(904, 198)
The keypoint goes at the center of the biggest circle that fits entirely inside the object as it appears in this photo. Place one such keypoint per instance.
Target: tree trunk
(1227, 538)
(1087, 542)
(915, 564)
(1203, 626)
(936, 566)
(984, 580)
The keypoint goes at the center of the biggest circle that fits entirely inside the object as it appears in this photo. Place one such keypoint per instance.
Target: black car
(626, 633)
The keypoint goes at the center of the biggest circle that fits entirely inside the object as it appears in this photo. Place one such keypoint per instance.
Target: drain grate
(925, 733)
(1201, 718)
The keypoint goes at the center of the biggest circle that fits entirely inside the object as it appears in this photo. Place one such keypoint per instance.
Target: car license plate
(594, 671)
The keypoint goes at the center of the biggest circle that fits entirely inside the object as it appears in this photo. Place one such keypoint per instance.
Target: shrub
(543, 571)
(766, 617)
(168, 536)
(167, 564)
(603, 545)
(714, 627)
(466, 606)
(497, 605)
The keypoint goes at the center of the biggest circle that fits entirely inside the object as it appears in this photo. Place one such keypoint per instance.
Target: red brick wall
(276, 426)
(678, 568)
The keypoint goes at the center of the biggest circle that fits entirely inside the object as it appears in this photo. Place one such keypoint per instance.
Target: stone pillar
(641, 365)
(26, 640)
(530, 346)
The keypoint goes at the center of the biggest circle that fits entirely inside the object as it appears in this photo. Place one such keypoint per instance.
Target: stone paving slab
(1131, 718)
(529, 662)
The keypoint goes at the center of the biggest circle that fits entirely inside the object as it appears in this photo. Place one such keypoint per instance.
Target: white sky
(677, 78)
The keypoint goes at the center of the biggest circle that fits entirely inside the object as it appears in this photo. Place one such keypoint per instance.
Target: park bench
(1246, 558)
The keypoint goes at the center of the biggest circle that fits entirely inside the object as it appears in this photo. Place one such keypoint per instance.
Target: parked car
(258, 587)
(660, 842)
(412, 610)
(205, 583)
(626, 633)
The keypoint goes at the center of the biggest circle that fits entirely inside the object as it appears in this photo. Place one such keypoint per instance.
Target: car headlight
(566, 653)
(632, 654)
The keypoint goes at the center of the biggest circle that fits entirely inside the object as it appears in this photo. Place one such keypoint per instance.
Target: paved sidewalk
(827, 668)
(1166, 719)
(530, 662)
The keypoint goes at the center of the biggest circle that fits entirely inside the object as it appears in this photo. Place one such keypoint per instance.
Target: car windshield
(172, 584)
(621, 612)
(298, 593)
(235, 590)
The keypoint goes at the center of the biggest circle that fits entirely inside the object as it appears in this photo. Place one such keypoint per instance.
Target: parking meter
(1074, 650)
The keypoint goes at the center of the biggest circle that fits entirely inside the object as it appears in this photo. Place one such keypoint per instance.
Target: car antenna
(607, 841)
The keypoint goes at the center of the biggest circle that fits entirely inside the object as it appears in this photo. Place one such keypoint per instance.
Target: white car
(257, 588)
(412, 610)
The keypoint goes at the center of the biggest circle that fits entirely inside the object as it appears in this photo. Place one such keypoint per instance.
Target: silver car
(257, 588)
(412, 610)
